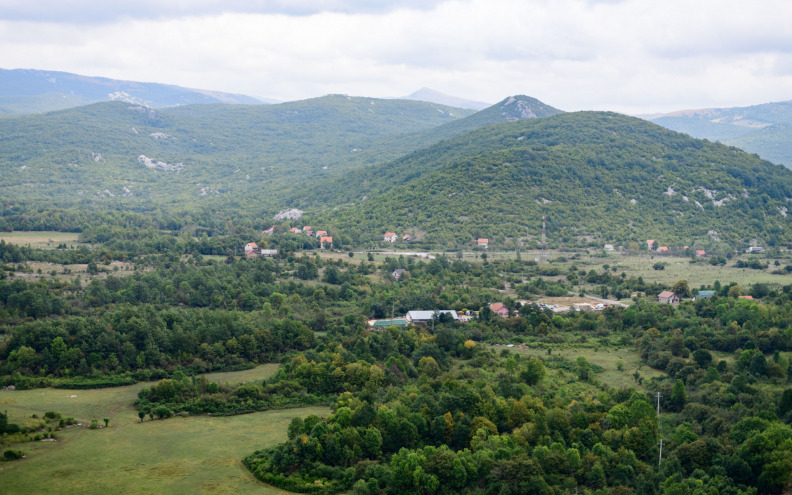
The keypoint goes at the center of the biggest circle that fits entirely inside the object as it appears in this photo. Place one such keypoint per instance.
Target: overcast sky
(631, 56)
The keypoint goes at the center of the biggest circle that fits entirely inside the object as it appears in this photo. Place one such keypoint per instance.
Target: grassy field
(607, 357)
(41, 240)
(198, 454)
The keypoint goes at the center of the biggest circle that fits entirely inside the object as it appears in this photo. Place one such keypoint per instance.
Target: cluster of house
(252, 250)
(393, 237)
(325, 241)
(666, 250)
(669, 297)
(421, 318)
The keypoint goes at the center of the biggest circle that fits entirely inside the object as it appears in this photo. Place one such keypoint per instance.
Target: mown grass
(41, 240)
(199, 454)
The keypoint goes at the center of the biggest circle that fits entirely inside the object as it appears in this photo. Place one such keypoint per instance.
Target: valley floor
(197, 454)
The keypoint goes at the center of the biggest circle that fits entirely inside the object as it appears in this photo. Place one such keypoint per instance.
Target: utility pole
(659, 432)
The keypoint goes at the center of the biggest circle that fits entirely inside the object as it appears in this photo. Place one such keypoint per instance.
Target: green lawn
(179, 455)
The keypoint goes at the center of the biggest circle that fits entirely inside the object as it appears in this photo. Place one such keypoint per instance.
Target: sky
(630, 56)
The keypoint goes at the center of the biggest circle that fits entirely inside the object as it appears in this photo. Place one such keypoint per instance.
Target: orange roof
(321, 232)
(252, 244)
(747, 297)
(701, 252)
(326, 239)
(390, 234)
(662, 248)
(481, 241)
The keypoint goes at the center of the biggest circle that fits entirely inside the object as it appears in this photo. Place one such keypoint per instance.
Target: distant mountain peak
(434, 96)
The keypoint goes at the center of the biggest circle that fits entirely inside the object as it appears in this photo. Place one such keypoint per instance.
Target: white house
(390, 237)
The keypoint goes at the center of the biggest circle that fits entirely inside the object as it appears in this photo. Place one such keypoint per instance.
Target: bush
(12, 455)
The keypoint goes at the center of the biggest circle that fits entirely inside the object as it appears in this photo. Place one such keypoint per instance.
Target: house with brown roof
(500, 309)
(407, 238)
(326, 242)
(321, 233)
(390, 237)
(668, 297)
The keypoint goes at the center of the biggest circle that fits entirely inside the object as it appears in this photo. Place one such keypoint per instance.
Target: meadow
(196, 454)
(40, 240)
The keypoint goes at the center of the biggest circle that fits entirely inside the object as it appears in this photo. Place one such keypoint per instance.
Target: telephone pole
(659, 432)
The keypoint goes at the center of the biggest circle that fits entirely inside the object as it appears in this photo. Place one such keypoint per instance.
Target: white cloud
(631, 55)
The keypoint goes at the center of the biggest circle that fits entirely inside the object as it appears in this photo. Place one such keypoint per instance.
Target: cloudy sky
(632, 56)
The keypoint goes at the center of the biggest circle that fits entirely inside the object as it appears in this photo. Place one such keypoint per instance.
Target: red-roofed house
(390, 237)
(651, 244)
(662, 249)
(483, 243)
(321, 233)
(701, 252)
(500, 309)
(251, 247)
(306, 228)
(407, 238)
(667, 297)
(294, 230)
(269, 231)
(326, 242)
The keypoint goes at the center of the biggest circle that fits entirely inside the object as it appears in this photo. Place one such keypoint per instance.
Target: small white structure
(424, 316)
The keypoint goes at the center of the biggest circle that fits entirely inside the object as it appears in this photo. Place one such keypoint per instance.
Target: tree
(141, 415)
(758, 366)
(534, 371)
(702, 357)
(735, 291)
(681, 288)
(583, 368)
(106, 422)
(678, 396)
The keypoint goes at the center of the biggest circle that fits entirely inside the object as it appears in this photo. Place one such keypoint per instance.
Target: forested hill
(123, 154)
(358, 183)
(619, 179)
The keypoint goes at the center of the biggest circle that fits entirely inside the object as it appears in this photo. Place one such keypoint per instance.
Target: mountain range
(361, 166)
(36, 91)
(764, 129)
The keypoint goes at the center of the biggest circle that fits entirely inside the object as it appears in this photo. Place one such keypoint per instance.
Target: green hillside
(372, 180)
(232, 153)
(605, 176)
(764, 129)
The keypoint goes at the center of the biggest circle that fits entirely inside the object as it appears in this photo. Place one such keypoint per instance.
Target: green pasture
(197, 454)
